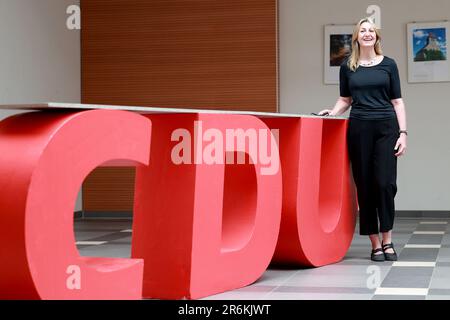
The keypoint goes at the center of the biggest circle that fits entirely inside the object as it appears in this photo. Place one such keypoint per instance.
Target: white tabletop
(145, 110)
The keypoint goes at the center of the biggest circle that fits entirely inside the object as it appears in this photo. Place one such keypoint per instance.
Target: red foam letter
(319, 203)
(44, 159)
(204, 228)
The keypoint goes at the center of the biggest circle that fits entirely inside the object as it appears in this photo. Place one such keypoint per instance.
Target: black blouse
(371, 89)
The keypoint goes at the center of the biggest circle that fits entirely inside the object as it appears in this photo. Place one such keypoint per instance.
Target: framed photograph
(338, 46)
(428, 59)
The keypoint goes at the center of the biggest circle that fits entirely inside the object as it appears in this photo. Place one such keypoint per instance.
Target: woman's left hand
(400, 146)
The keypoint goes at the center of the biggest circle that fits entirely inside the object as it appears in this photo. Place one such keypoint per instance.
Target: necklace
(366, 64)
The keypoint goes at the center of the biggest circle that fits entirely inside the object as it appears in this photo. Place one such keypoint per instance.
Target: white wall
(40, 62)
(39, 56)
(424, 173)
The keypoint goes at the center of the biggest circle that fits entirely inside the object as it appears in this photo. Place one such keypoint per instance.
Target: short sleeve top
(371, 89)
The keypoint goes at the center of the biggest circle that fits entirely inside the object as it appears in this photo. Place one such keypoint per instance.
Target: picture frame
(428, 59)
(338, 46)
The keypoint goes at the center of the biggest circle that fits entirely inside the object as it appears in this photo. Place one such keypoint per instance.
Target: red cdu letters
(217, 198)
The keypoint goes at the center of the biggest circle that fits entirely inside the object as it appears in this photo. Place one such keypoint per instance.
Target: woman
(376, 136)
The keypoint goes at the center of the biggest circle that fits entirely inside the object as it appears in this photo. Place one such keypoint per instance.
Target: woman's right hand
(325, 112)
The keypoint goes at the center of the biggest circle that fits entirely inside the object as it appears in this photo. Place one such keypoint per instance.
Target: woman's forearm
(342, 105)
(400, 110)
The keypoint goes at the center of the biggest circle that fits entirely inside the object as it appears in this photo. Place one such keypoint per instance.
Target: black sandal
(377, 257)
(389, 256)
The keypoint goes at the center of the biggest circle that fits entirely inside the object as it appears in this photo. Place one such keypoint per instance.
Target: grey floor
(422, 271)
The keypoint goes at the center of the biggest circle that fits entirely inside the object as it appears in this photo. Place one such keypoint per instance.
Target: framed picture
(338, 46)
(428, 59)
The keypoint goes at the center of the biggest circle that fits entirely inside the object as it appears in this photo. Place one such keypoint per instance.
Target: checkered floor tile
(422, 271)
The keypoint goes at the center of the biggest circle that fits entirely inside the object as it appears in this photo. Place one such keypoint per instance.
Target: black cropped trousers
(371, 146)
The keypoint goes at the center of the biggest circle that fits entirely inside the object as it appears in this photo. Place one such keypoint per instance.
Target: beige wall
(40, 61)
(424, 174)
(39, 56)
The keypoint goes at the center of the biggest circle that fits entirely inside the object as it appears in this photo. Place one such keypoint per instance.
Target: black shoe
(389, 256)
(377, 257)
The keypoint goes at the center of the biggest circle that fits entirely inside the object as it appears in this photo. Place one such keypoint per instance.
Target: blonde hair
(353, 61)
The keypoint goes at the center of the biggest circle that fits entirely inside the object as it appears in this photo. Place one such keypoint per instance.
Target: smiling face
(367, 36)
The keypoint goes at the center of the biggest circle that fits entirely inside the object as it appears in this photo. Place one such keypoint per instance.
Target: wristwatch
(403, 131)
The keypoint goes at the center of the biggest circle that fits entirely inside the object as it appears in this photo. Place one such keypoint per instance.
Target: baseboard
(422, 214)
(104, 215)
(129, 215)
